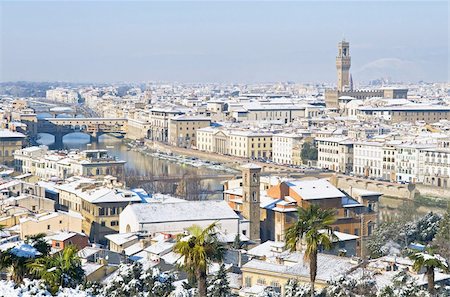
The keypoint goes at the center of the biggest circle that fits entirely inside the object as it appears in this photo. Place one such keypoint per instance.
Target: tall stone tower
(343, 63)
(251, 198)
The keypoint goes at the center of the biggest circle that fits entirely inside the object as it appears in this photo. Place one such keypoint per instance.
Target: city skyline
(222, 41)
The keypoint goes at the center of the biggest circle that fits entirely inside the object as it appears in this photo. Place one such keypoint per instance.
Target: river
(139, 164)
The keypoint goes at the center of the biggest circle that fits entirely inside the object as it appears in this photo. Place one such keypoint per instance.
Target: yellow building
(52, 222)
(99, 205)
(238, 143)
(183, 128)
(252, 145)
(101, 208)
(9, 143)
(213, 140)
(272, 266)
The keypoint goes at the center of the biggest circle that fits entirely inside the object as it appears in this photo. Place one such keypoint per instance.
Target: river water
(139, 164)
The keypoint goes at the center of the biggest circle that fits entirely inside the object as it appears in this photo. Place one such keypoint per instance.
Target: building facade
(183, 130)
(335, 154)
(283, 148)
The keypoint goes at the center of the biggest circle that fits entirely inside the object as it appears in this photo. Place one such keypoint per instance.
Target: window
(60, 221)
(114, 223)
(248, 281)
(101, 211)
(48, 227)
(275, 284)
(102, 223)
(254, 197)
(346, 213)
(356, 232)
(370, 228)
(57, 244)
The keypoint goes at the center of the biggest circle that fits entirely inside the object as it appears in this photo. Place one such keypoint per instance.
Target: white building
(47, 164)
(282, 147)
(335, 153)
(434, 167)
(368, 159)
(62, 95)
(407, 162)
(282, 112)
(176, 217)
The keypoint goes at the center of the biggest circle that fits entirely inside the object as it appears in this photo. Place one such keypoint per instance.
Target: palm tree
(60, 270)
(199, 249)
(313, 228)
(39, 243)
(429, 262)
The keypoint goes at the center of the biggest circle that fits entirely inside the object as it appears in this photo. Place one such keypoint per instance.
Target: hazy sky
(108, 41)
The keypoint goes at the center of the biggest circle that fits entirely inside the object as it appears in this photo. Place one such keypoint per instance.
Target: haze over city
(224, 149)
(106, 41)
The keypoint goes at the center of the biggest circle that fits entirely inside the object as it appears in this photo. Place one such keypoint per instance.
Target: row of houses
(394, 160)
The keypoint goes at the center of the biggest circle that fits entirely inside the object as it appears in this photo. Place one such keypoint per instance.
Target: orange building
(64, 239)
(356, 214)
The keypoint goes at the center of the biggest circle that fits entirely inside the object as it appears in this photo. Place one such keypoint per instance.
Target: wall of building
(56, 223)
(395, 190)
(226, 226)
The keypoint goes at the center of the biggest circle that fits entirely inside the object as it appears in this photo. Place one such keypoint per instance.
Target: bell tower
(343, 63)
(251, 197)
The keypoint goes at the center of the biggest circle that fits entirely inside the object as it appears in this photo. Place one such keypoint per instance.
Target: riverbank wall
(394, 190)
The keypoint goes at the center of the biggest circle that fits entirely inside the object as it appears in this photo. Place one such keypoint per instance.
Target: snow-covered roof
(90, 267)
(147, 213)
(121, 238)
(230, 237)
(160, 248)
(25, 251)
(133, 249)
(315, 189)
(328, 266)
(263, 249)
(171, 258)
(62, 236)
(5, 133)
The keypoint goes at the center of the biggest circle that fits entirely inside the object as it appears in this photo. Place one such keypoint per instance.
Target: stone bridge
(92, 126)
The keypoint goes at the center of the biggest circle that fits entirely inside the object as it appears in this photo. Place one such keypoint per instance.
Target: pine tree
(219, 285)
(442, 240)
(237, 243)
(403, 285)
(294, 288)
(269, 292)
